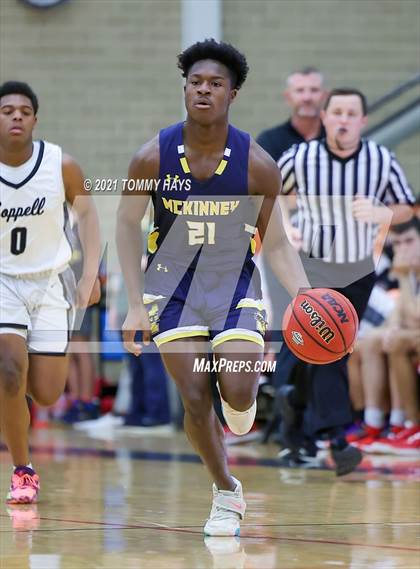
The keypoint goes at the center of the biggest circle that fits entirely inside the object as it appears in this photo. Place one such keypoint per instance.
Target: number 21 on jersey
(200, 232)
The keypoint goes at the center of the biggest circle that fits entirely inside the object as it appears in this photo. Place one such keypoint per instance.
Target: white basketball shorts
(41, 310)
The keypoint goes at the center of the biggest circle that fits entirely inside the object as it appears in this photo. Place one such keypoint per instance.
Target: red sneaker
(406, 443)
(24, 486)
(408, 432)
(383, 444)
(364, 437)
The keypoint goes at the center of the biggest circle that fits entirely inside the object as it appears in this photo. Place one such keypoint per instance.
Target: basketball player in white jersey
(36, 304)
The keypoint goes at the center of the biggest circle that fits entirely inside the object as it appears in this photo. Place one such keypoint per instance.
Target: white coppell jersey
(33, 214)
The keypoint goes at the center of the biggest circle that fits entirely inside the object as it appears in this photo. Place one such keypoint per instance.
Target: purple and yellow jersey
(210, 223)
(201, 279)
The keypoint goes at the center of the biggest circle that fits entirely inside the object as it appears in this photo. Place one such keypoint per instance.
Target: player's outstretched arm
(131, 210)
(265, 181)
(88, 287)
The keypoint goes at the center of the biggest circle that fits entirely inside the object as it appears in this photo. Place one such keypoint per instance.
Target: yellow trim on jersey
(184, 165)
(253, 244)
(221, 167)
(149, 298)
(179, 335)
(250, 303)
(238, 336)
(151, 241)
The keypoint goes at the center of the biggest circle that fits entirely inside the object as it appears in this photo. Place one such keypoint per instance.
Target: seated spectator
(381, 303)
(375, 393)
(392, 352)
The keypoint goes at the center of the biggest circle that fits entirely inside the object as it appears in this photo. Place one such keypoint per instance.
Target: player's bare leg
(14, 412)
(238, 385)
(43, 377)
(201, 423)
(47, 376)
(14, 418)
(205, 433)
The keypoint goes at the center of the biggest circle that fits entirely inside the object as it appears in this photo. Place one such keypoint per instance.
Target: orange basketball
(320, 326)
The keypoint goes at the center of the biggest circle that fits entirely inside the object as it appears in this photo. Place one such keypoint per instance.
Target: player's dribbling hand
(86, 294)
(137, 319)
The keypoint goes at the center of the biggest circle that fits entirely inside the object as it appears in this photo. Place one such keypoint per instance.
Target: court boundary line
(102, 526)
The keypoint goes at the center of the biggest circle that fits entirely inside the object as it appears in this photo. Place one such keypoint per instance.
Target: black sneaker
(299, 458)
(346, 459)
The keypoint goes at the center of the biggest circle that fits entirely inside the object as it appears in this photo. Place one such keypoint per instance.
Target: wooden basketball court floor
(139, 501)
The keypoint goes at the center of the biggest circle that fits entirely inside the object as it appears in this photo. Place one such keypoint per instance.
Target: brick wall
(105, 74)
(370, 44)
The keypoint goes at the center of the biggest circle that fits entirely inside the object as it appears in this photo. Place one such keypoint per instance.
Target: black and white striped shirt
(325, 186)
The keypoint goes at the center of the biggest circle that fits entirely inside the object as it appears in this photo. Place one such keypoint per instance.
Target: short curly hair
(218, 51)
(19, 88)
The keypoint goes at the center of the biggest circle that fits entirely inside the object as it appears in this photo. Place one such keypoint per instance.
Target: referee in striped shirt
(342, 185)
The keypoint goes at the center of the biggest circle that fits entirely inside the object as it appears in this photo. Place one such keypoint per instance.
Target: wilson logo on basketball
(327, 322)
(317, 322)
(336, 307)
(297, 338)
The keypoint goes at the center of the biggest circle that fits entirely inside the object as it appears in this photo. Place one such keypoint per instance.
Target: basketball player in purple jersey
(201, 283)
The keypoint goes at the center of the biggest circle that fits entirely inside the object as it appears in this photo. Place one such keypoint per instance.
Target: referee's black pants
(322, 390)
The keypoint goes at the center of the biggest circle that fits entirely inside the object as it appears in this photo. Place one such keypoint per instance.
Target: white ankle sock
(374, 417)
(397, 417)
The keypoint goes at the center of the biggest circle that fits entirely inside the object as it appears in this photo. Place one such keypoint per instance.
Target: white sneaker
(227, 510)
(105, 422)
(239, 422)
